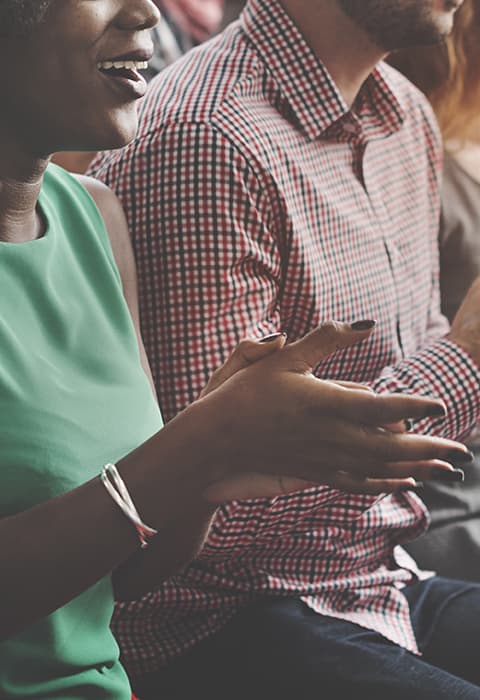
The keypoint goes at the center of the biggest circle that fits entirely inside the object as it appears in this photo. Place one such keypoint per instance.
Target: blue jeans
(280, 648)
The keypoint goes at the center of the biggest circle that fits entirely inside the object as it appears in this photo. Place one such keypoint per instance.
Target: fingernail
(456, 475)
(408, 424)
(463, 457)
(271, 338)
(364, 325)
(436, 411)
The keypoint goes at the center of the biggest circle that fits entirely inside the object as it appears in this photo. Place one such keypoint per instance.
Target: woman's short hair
(449, 74)
(18, 16)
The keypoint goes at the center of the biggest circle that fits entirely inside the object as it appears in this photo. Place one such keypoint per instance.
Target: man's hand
(465, 330)
(296, 431)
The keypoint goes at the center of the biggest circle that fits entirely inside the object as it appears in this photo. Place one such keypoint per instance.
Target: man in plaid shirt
(283, 176)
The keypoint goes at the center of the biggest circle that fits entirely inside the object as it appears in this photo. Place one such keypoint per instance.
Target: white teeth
(130, 65)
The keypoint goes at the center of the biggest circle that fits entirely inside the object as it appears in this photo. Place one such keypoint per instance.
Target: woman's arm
(267, 423)
(179, 543)
(117, 229)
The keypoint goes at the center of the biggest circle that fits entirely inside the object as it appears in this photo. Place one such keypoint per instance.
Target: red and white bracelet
(118, 491)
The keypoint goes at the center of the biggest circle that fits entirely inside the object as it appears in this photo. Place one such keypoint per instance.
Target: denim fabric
(280, 649)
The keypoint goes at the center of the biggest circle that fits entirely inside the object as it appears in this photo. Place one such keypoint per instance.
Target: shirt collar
(305, 82)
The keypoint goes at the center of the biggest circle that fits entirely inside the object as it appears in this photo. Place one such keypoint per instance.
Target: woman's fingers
(361, 444)
(401, 447)
(246, 353)
(367, 407)
(354, 385)
(339, 434)
(309, 351)
(372, 487)
(391, 408)
(402, 426)
(419, 470)
(253, 485)
(326, 339)
(366, 477)
(316, 346)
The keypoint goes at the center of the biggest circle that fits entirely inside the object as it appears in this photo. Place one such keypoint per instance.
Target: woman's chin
(113, 134)
(117, 138)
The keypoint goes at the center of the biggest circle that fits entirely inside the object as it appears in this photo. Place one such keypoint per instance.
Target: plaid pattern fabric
(259, 201)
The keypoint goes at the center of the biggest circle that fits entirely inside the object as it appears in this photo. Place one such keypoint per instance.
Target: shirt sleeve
(209, 265)
(440, 369)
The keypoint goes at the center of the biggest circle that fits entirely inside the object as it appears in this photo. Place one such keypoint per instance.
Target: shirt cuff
(444, 371)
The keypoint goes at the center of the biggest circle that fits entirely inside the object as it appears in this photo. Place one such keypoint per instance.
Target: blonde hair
(449, 74)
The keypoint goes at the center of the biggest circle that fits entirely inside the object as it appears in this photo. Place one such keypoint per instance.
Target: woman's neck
(21, 176)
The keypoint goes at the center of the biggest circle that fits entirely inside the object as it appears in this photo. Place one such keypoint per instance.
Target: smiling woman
(64, 95)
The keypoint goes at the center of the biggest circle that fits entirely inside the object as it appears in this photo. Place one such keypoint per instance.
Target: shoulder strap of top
(69, 194)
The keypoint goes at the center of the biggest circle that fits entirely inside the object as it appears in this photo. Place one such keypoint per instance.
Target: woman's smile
(78, 109)
(124, 75)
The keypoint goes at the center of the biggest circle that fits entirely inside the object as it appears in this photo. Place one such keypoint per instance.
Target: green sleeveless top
(73, 396)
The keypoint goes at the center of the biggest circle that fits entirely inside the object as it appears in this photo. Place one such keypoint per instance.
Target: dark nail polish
(408, 424)
(364, 325)
(455, 476)
(271, 338)
(462, 457)
(436, 411)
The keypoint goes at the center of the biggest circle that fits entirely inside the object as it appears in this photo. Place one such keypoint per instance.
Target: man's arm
(209, 264)
(447, 367)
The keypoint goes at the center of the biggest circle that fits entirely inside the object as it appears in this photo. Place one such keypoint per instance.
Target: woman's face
(60, 89)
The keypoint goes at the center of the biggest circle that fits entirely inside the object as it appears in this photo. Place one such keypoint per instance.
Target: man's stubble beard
(396, 24)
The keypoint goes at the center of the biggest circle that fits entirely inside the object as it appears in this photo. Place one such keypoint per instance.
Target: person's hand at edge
(382, 420)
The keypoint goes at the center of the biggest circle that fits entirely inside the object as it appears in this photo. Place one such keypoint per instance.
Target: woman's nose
(139, 14)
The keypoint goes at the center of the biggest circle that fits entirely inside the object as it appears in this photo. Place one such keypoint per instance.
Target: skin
(352, 36)
(395, 25)
(263, 411)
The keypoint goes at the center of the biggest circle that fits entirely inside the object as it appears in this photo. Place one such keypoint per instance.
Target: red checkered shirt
(259, 201)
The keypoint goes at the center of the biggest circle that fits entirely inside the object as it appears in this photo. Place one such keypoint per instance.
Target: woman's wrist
(172, 470)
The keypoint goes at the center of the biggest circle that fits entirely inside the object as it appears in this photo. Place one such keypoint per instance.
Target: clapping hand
(290, 430)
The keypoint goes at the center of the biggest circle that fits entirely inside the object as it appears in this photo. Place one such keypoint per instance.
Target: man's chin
(430, 35)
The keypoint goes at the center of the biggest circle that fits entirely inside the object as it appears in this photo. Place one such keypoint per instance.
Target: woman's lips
(125, 76)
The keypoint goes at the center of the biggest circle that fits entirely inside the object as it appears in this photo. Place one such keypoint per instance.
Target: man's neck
(20, 183)
(344, 48)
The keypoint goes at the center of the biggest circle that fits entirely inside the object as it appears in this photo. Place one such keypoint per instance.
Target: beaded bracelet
(118, 491)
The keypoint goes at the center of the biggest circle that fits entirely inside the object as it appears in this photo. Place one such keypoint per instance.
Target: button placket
(391, 249)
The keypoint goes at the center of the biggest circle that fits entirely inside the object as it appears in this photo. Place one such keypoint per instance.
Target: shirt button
(350, 128)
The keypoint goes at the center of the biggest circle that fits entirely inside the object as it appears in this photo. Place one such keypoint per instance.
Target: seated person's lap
(281, 648)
